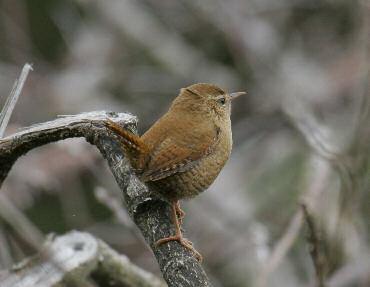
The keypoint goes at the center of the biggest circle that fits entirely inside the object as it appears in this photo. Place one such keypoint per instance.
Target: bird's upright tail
(132, 145)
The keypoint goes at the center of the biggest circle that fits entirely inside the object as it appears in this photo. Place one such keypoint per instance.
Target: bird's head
(205, 99)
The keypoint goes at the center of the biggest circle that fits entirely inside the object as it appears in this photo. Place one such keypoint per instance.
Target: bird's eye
(221, 101)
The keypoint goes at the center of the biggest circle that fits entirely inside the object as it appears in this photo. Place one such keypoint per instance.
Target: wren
(183, 152)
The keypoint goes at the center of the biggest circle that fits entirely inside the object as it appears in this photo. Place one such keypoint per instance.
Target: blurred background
(300, 135)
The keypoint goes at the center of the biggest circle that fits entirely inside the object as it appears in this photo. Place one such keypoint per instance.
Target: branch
(150, 213)
(316, 183)
(281, 248)
(10, 214)
(315, 242)
(11, 101)
(71, 259)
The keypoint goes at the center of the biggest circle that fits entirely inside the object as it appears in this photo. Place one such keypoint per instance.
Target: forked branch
(150, 213)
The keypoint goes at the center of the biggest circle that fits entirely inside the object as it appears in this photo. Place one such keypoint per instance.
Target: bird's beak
(237, 94)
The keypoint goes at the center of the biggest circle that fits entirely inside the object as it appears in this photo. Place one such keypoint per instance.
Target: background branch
(315, 245)
(77, 255)
(13, 98)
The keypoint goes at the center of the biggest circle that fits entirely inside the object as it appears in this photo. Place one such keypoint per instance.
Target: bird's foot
(184, 242)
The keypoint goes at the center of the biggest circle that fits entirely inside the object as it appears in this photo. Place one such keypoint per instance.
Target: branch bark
(69, 260)
(150, 212)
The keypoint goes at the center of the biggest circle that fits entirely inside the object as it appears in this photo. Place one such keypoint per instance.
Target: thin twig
(114, 204)
(24, 228)
(108, 199)
(20, 223)
(314, 240)
(5, 256)
(282, 247)
(316, 182)
(12, 99)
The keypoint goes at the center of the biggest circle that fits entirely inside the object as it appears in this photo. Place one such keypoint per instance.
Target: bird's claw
(184, 242)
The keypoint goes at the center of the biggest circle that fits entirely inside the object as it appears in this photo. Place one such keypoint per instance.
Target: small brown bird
(184, 151)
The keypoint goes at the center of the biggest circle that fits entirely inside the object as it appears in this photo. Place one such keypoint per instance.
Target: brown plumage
(184, 151)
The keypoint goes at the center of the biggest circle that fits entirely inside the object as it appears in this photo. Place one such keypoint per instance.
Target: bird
(183, 152)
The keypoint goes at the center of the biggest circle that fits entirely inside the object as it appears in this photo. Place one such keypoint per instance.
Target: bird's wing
(178, 154)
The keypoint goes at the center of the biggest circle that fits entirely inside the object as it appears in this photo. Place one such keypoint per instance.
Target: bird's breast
(190, 183)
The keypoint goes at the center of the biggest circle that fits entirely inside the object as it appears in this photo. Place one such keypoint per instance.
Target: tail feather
(132, 144)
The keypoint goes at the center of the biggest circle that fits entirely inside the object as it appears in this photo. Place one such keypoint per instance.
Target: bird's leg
(180, 213)
(178, 236)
